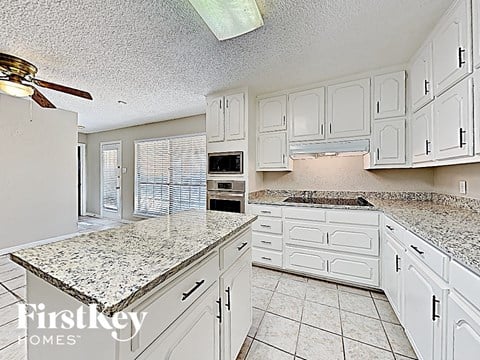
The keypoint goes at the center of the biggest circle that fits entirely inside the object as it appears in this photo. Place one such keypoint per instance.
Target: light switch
(463, 187)
(124, 170)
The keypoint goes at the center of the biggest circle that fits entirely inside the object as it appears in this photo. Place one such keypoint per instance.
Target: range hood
(315, 149)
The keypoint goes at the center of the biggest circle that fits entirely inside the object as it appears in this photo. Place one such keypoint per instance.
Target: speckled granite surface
(114, 268)
(450, 223)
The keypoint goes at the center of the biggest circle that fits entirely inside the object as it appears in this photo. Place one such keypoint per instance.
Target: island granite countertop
(114, 268)
(449, 223)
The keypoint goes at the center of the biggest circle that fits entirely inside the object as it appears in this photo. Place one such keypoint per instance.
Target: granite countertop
(449, 223)
(116, 267)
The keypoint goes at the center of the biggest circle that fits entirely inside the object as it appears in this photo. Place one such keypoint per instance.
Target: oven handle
(225, 195)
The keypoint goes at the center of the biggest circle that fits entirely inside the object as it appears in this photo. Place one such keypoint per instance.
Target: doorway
(111, 181)
(81, 179)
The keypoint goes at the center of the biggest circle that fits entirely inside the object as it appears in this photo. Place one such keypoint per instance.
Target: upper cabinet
(307, 115)
(476, 33)
(215, 119)
(272, 114)
(452, 49)
(272, 152)
(422, 134)
(389, 90)
(421, 75)
(389, 142)
(226, 118)
(348, 109)
(453, 122)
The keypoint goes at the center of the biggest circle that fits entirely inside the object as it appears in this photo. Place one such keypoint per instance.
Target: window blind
(170, 175)
(110, 174)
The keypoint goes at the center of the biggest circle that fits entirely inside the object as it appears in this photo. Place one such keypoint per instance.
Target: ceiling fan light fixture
(229, 19)
(15, 89)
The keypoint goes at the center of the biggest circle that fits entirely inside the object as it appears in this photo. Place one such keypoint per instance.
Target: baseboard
(37, 243)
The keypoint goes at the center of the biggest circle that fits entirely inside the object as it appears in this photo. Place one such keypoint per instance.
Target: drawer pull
(397, 260)
(228, 298)
(265, 226)
(266, 212)
(266, 258)
(190, 292)
(434, 308)
(391, 228)
(417, 249)
(266, 242)
(242, 246)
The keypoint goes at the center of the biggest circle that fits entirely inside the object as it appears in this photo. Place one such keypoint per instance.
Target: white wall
(446, 179)
(37, 172)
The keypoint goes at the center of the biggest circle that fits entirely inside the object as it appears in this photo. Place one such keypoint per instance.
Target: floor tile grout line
(301, 321)
(385, 331)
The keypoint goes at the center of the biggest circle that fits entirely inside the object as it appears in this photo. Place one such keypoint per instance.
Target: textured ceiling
(161, 59)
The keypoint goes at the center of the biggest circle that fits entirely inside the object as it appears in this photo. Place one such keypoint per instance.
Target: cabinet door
(235, 117)
(195, 332)
(453, 122)
(272, 114)
(307, 261)
(236, 294)
(452, 50)
(422, 123)
(391, 272)
(389, 142)
(348, 109)
(476, 33)
(423, 310)
(307, 115)
(463, 330)
(357, 240)
(390, 95)
(305, 234)
(272, 151)
(357, 269)
(215, 120)
(421, 78)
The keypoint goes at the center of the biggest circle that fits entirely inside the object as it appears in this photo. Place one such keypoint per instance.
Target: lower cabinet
(235, 288)
(425, 309)
(463, 330)
(307, 261)
(195, 332)
(392, 273)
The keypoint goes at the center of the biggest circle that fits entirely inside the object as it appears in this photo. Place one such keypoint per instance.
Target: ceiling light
(15, 89)
(229, 19)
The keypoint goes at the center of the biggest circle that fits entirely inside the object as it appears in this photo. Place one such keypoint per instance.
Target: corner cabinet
(215, 119)
(422, 134)
(348, 109)
(389, 90)
(226, 118)
(272, 114)
(452, 49)
(307, 115)
(421, 75)
(272, 152)
(389, 142)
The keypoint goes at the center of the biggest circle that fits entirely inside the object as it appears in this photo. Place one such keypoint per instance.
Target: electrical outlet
(462, 186)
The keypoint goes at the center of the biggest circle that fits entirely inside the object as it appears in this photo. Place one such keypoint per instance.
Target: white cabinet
(424, 309)
(422, 134)
(453, 122)
(452, 50)
(362, 270)
(195, 332)
(303, 233)
(235, 288)
(235, 117)
(463, 329)
(389, 142)
(392, 260)
(226, 118)
(308, 261)
(348, 109)
(476, 33)
(389, 90)
(307, 115)
(272, 151)
(421, 75)
(272, 114)
(215, 120)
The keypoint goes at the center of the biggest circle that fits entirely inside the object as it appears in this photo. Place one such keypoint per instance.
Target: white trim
(119, 212)
(38, 243)
(83, 175)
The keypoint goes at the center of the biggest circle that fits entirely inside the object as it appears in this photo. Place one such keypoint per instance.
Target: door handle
(426, 90)
(417, 249)
(397, 260)
(378, 107)
(427, 147)
(219, 316)
(461, 60)
(228, 298)
(187, 294)
(434, 308)
(461, 133)
(242, 246)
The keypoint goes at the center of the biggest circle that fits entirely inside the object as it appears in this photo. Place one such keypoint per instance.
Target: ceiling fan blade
(65, 89)
(41, 100)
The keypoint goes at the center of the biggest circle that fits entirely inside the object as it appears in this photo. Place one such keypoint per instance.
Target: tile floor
(296, 317)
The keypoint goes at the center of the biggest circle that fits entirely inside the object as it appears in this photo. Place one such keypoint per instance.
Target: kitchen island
(189, 272)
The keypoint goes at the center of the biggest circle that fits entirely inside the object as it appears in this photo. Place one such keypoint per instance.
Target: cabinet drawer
(168, 303)
(265, 210)
(357, 269)
(304, 214)
(267, 257)
(268, 225)
(465, 282)
(267, 241)
(305, 234)
(354, 217)
(306, 261)
(355, 239)
(236, 248)
(394, 230)
(433, 258)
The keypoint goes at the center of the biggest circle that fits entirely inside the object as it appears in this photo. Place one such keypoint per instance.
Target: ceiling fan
(17, 78)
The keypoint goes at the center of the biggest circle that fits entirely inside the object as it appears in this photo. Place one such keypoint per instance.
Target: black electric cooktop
(328, 201)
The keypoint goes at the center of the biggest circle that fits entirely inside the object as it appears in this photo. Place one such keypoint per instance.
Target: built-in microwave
(225, 162)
